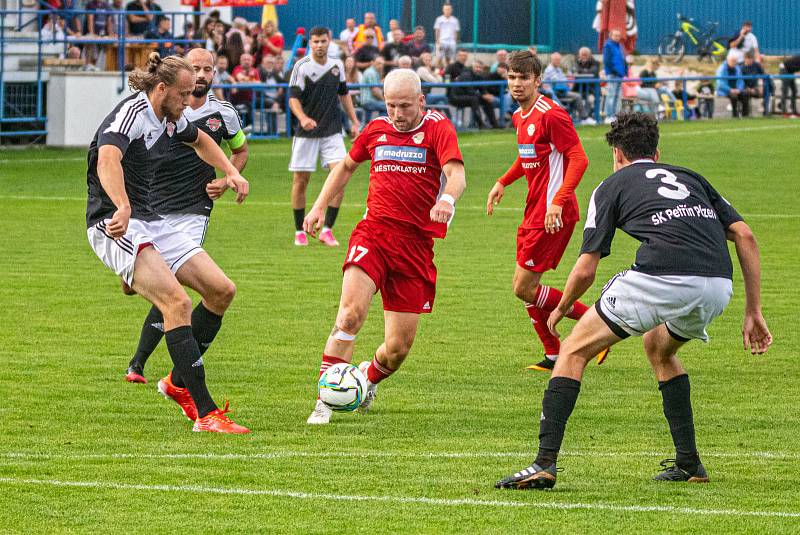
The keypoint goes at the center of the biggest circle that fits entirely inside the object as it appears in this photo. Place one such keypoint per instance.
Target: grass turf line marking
(347, 205)
(467, 502)
(379, 454)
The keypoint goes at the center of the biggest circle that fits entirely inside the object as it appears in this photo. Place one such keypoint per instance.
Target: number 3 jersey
(678, 217)
(406, 178)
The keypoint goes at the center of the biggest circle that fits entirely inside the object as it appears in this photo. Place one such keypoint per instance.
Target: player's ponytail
(158, 70)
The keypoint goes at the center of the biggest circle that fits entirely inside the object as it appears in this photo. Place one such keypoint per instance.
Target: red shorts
(539, 251)
(399, 263)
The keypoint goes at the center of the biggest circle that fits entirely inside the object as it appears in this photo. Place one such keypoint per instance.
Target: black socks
(205, 326)
(330, 216)
(299, 215)
(152, 332)
(678, 411)
(189, 364)
(557, 405)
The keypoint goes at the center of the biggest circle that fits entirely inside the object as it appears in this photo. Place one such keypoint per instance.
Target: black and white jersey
(144, 142)
(678, 217)
(318, 87)
(179, 185)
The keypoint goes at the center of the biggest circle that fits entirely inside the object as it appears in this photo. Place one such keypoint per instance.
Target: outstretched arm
(755, 333)
(336, 181)
(579, 281)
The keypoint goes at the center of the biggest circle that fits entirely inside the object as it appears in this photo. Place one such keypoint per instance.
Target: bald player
(184, 187)
(416, 177)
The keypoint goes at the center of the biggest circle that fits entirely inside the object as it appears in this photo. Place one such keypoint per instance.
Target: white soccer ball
(342, 387)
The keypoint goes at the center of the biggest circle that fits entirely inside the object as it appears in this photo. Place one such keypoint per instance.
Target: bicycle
(672, 47)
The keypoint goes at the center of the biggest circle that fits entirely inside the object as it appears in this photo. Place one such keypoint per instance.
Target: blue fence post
(684, 98)
(121, 51)
(502, 105)
(286, 97)
(765, 80)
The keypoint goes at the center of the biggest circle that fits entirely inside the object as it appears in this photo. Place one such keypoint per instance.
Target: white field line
(477, 143)
(463, 502)
(350, 205)
(751, 455)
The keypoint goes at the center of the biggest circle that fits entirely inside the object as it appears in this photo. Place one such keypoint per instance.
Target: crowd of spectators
(251, 53)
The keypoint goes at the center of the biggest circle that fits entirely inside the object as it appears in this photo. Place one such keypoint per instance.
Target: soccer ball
(342, 387)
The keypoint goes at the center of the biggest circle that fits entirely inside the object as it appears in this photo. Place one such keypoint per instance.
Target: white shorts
(633, 303)
(448, 50)
(306, 151)
(193, 225)
(120, 255)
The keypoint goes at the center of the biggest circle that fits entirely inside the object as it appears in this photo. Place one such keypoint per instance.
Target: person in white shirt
(394, 24)
(745, 42)
(447, 31)
(348, 33)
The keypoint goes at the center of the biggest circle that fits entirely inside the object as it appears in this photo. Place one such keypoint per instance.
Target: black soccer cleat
(676, 473)
(532, 477)
(546, 365)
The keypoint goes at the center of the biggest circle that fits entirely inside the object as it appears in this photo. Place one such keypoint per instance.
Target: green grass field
(80, 450)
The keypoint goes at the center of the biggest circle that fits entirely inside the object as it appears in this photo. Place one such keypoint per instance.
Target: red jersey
(405, 177)
(544, 133)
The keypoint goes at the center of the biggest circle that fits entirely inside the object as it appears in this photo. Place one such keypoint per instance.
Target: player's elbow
(740, 233)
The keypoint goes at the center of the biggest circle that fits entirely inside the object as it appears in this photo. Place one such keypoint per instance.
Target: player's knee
(226, 292)
(573, 348)
(176, 306)
(523, 290)
(350, 319)
(398, 347)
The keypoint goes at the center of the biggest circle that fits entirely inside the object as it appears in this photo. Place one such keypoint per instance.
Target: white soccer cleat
(320, 415)
(369, 396)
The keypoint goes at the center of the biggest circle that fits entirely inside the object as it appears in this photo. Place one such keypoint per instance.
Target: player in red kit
(552, 160)
(416, 177)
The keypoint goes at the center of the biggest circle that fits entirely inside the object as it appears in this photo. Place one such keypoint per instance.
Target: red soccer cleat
(135, 375)
(216, 422)
(180, 396)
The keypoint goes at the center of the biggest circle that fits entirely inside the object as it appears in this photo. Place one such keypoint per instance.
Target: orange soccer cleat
(180, 396)
(216, 422)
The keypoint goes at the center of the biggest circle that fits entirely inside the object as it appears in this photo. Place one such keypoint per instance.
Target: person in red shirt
(416, 177)
(552, 160)
(271, 40)
(244, 73)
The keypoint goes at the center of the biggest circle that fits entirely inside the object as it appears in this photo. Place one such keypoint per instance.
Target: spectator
(731, 85)
(405, 62)
(650, 71)
(427, 73)
(280, 65)
(271, 40)
(418, 45)
(239, 27)
(370, 25)
(163, 32)
(54, 29)
(222, 76)
(615, 69)
(555, 77)
(372, 97)
(139, 24)
(73, 23)
(367, 53)
(112, 30)
(752, 68)
(744, 43)
(349, 32)
(586, 67)
(789, 68)
(500, 58)
(215, 16)
(473, 97)
(490, 93)
(99, 18)
(189, 34)
(447, 31)
(455, 69)
(393, 25)
(393, 49)
(353, 77)
(270, 75)
(244, 73)
(705, 97)
(692, 108)
(234, 48)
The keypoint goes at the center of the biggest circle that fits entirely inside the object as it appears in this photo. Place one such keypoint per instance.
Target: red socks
(539, 319)
(377, 372)
(547, 298)
(327, 362)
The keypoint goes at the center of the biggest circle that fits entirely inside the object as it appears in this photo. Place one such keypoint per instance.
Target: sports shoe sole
(538, 368)
(601, 357)
(539, 480)
(135, 378)
(167, 396)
